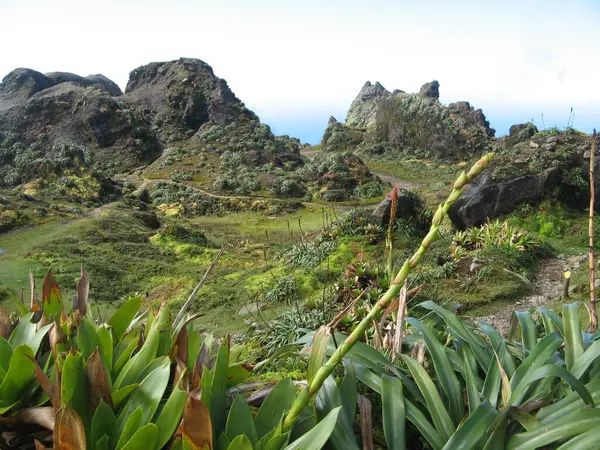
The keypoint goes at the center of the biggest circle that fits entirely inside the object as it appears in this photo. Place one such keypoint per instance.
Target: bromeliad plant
(138, 381)
(470, 388)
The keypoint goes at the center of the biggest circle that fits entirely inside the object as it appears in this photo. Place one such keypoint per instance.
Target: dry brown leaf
(98, 379)
(196, 426)
(57, 337)
(69, 433)
(83, 290)
(366, 422)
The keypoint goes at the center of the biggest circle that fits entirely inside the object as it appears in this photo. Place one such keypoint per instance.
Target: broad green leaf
(143, 439)
(122, 317)
(123, 354)
(551, 320)
(394, 414)
(194, 345)
(38, 337)
(528, 331)
(240, 442)
(133, 368)
(23, 332)
(102, 443)
(218, 401)
(105, 346)
(20, 306)
(568, 404)
(573, 337)
(87, 338)
(349, 391)
(147, 396)
(327, 399)
(569, 425)
(104, 423)
(470, 432)
(132, 422)
(526, 420)
(6, 353)
(74, 387)
(316, 438)
(169, 417)
(500, 347)
(538, 357)
(585, 360)
(425, 427)
(585, 441)
(278, 402)
(497, 440)
(120, 395)
(473, 396)
(237, 374)
(454, 323)
(445, 374)
(551, 370)
(153, 365)
(17, 377)
(240, 421)
(439, 415)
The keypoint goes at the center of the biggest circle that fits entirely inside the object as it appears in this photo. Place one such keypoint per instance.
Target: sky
(295, 63)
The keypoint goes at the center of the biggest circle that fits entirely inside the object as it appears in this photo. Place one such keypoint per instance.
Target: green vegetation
(138, 379)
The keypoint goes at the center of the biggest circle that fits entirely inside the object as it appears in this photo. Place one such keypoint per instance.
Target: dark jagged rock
(474, 117)
(430, 90)
(180, 96)
(332, 120)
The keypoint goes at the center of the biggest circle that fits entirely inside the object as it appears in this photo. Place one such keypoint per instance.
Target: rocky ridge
(397, 124)
(64, 125)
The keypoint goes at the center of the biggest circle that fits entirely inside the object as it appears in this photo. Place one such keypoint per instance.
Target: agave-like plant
(472, 389)
(140, 380)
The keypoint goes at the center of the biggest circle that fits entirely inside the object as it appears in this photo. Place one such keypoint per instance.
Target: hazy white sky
(295, 63)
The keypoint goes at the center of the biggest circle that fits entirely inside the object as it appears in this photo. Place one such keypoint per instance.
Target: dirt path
(340, 207)
(547, 286)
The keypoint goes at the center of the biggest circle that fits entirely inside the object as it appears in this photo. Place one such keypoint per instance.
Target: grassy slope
(123, 255)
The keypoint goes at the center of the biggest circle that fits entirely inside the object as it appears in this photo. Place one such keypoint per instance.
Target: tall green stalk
(324, 371)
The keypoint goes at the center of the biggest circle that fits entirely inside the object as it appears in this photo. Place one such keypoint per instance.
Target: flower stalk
(324, 371)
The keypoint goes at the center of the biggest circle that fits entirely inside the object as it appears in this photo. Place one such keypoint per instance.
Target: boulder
(487, 199)
(521, 132)
(408, 206)
(252, 308)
